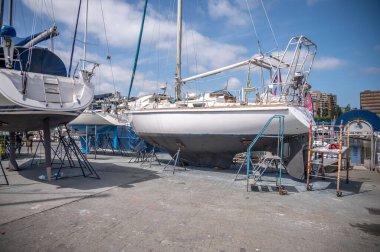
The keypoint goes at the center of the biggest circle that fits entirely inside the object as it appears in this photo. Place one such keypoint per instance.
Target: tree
(347, 108)
(336, 111)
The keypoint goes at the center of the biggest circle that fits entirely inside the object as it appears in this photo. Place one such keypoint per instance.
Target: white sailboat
(34, 84)
(36, 92)
(212, 128)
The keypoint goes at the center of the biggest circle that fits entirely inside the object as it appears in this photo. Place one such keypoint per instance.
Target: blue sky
(217, 33)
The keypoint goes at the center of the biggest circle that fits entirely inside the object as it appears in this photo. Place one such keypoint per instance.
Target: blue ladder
(280, 150)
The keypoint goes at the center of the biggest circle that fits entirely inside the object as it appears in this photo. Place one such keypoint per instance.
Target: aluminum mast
(178, 80)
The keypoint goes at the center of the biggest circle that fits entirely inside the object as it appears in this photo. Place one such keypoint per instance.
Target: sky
(216, 33)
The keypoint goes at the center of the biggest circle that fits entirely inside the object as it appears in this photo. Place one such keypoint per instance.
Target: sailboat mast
(178, 80)
(10, 12)
(137, 51)
(1, 12)
(74, 39)
(85, 37)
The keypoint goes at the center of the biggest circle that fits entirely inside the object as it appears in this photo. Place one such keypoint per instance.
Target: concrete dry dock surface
(134, 208)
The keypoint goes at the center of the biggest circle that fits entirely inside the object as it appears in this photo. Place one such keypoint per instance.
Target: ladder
(257, 170)
(51, 90)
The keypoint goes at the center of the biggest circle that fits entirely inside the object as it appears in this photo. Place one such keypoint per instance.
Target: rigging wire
(52, 9)
(195, 50)
(158, 51)
(30, 51)
(47, 10)
(170, 17)
(270, 25)
(254, 28)
(108, 49)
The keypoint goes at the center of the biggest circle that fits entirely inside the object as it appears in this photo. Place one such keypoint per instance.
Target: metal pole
(348, 154)
(10, 12)
(47, 145)
(75, 37)
(322, 158)
(308, 187)
(338, 192)
(372, 152)
(86, 142)
(96, 140)
(178, 80)
(85, 37)
(137, 51)
(1, 12)
(12, 152)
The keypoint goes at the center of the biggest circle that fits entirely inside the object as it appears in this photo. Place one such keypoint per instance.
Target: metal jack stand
(175, 159)
(241, 166)
(151, 157)
(140, 150)
(5, 175)
(37, 148)
(71, 152)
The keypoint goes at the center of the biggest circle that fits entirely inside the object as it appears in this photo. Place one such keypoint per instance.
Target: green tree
(336, 111)
(347, 108)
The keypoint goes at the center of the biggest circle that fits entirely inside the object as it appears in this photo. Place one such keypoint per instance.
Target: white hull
(58, 98)
(212, 136)
(242, 120)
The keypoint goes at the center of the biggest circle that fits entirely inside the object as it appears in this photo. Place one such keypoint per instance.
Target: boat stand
(36, 150)
(68, 150)
(176, 158)
(151, 157)
(244, 163)
(5, 175)
(140, 150)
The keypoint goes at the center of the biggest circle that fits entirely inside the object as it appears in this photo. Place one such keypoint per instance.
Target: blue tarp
(360, 114)
(106, 136)
(42, 61)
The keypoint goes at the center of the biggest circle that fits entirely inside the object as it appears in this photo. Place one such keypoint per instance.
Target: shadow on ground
(110, 175)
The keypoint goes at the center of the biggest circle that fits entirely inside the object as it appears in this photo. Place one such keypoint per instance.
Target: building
(323, 103)
(370, 100)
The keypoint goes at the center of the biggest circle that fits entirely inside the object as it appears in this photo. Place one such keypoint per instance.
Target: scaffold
(328, 147)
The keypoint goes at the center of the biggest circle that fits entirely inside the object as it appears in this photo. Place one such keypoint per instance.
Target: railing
(94, 65)
(280, 146)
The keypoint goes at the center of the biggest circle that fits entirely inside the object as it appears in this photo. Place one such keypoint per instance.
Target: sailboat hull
(58, 98)
(212, 136)
(26, 120)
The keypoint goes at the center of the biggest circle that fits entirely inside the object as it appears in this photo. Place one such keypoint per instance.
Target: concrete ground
(137, 208)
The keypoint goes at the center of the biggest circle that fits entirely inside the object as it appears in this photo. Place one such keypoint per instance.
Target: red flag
(278, 80)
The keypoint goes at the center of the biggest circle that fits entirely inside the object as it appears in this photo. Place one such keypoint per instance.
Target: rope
(270, 25)
(108, 49)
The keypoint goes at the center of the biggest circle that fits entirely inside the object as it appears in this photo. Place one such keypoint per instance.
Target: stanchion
(308, 185)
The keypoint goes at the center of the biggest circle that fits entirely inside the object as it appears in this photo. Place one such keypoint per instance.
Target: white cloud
(104, 87)
(225, 10)
(208, 53)
(122, 19)
(234, 83)
(372, 70)
(328, 63)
